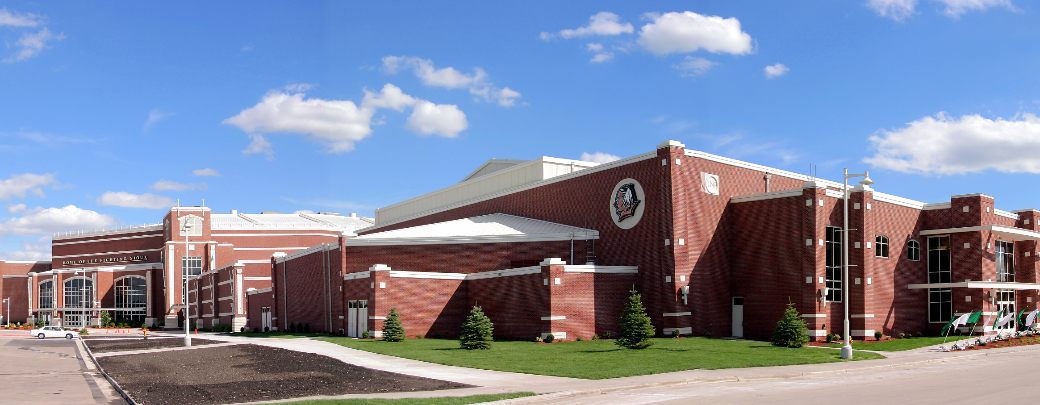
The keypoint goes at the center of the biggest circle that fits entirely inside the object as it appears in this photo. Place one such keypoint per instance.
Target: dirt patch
(244, 373)
(102, 345)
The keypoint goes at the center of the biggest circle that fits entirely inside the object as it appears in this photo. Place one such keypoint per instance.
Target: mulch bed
(244, 373)
(1021, 341)
(103, 345)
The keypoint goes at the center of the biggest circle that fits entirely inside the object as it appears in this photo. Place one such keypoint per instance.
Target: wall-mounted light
(685, 291)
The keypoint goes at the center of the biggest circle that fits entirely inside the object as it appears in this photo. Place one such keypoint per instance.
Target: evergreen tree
(476, 331)
(635, 326)
(791, 330)
(393, 331)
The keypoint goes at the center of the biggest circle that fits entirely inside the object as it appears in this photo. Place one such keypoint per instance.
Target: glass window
(46, 294)
(191, 226)
(913, 250)
(939, 259)
(833, 247)
(78, 294)
(190, 266)
(1005, 260)
(940, 305)
(130, 294)
(881, 246)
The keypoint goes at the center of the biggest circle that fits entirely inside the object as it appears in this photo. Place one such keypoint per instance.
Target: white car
(53, 331)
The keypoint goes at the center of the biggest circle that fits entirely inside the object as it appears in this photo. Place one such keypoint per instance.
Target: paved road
(49, 371)
(996, 378)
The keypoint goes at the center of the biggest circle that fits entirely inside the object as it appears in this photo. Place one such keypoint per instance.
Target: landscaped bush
(477, 331)
(550, 338)
(595, 337)
(675, 333)
(636, 329)
(393, 331)
(365, 334)
(791, 330)
(292, 328)
(878, 335)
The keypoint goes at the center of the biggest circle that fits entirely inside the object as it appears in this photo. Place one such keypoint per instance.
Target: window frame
(913, 250)
(937, 276)
(832, 265)
(944, 301)
(40, 295)
(185, 273)
(1001, 259)
(881, 246)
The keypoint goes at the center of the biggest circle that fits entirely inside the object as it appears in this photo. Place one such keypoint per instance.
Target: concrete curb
(685, 381)
(115, 385)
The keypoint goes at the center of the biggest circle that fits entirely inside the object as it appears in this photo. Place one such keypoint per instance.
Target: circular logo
(626, 203)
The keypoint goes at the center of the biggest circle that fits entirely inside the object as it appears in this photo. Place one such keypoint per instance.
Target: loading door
(738, 316)
(352, 313)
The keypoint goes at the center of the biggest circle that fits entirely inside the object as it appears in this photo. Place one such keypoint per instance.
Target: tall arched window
(131, 293)
(881, 246)
(46, 295)
(913, 250)
(78, 294)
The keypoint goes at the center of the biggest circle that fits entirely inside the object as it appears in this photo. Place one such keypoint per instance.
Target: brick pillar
(813, 259)
(554, 317)
(378, 307)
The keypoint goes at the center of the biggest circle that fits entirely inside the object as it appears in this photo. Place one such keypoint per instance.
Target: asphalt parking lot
(49, 371)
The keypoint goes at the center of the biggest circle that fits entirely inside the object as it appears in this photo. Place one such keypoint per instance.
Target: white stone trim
(230, 297)
(306, 251)
(682, 331)
(554, 318)
(84, 234)
(226, 282)
(331, 232)
(427, 275)
(863, 332)
(355, 276)
(817, 332)
(378, 318)
(272, 248)
(766, 196)
(556, 335)
(578, 268)
(973, 195)
(260, 291)
(677, 314)
(1009, 232)
(1005, 214)
(108, 253)
(452, 240)
(814, 315)
(833, 193)
(107, 239)
(861, 316)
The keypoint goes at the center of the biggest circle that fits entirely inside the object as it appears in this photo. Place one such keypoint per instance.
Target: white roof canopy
(1004, 232)
(482, 229)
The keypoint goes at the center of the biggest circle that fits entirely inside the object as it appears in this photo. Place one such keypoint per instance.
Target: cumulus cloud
(205, 172)
(338, 124)
(693, 67)
(599, 157)
(776, 70)
(15, 208)
(449, 78)
(165, 185)
(955, 8)
(15, 19)
(603, 23)
(942, 144)
(689, 32)
(124, 199)
(31, 44)
(437, 119)
(897, 10)
(155, 116)
(49, 220)
(20, 184)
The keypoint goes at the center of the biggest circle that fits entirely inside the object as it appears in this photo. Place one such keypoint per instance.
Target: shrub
(419, 336)
(791, 330)
(392, 329)
(365, 334)
(595, 337)
(84, 332)
(292, 328)
(106, 318)
(550, 338)
(579, 338)
(538, 339)
(902, 335)
(477, 331)
(606, 335)
(437, 336)
(830, 337)
(878, 335)
(635, 326)
(267, 329)
(675, 333)
(306, 328)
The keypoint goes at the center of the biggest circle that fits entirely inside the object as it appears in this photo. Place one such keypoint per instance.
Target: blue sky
(110, 113)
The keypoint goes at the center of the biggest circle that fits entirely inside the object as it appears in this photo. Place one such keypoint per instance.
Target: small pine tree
(393, 331)
(791, 330)
(635, 326)
(476, 331)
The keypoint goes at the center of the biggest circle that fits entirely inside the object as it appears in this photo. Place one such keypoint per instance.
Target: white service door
(362, 317)
(738, 316)
(352, 313)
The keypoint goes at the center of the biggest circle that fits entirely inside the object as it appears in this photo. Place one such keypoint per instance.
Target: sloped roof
(481, 229)
(291, 221)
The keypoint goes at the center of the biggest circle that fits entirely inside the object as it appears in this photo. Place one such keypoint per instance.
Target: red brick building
(716, 247)
(136, 273)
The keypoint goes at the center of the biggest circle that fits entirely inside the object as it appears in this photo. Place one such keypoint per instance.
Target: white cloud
(205, 172)
(693, 67)
(49, 220)
(155, 116)
(31, 44)
(594, 47)
(689, 32)
(946, 145)
(602, 57)
(17, 19)
(259, 144)
(437, 119)
(20, 184)
(603, 23)
(31, 256)
(337, 124)
(164, 185)
(15, 208)
(449, 78)
(124, 199)
(303, 212)
(776, 70)
(897, 10)
(389, 97)
(955, 8)
(599, 157)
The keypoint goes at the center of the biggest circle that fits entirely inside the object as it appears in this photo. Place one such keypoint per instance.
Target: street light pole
(188, 225)
(846, 350)
(8, 302)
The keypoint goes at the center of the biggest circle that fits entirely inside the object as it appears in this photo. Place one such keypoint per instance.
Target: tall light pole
(8, 302)
(188, 226)
(846, 350)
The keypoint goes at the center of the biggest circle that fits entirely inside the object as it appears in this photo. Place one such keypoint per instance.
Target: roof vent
(268, 212)
(234, 212)
(335, 214)
(353, 215)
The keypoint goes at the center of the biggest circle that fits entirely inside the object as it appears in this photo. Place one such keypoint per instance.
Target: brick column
(376, 305)
(554, 318)
(814, 259)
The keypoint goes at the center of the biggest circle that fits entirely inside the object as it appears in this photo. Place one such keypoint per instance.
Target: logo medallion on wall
(710, 183)
(626, 203)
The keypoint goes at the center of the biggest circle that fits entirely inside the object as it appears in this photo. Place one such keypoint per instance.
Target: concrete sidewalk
(492, 382)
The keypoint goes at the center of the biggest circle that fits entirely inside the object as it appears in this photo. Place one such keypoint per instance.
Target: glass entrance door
(78, 294)
(1006, 305)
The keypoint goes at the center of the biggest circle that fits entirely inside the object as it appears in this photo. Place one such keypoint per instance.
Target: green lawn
(601, 358)
(473, 399)
(896, 345)
(279, 335)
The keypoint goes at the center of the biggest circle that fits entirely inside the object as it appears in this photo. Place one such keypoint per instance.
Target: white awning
(1004, 232)
(978, 285)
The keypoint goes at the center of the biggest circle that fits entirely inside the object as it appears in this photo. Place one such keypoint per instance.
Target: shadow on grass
(598, 351)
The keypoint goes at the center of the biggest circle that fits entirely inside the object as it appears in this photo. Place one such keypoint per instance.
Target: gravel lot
(243, 373)
(103, 345)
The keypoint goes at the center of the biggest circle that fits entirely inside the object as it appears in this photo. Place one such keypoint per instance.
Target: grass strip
(473, 399)
(898, 345)
(599, 359)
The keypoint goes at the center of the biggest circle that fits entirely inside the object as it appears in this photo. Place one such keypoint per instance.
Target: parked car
(53, 331)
